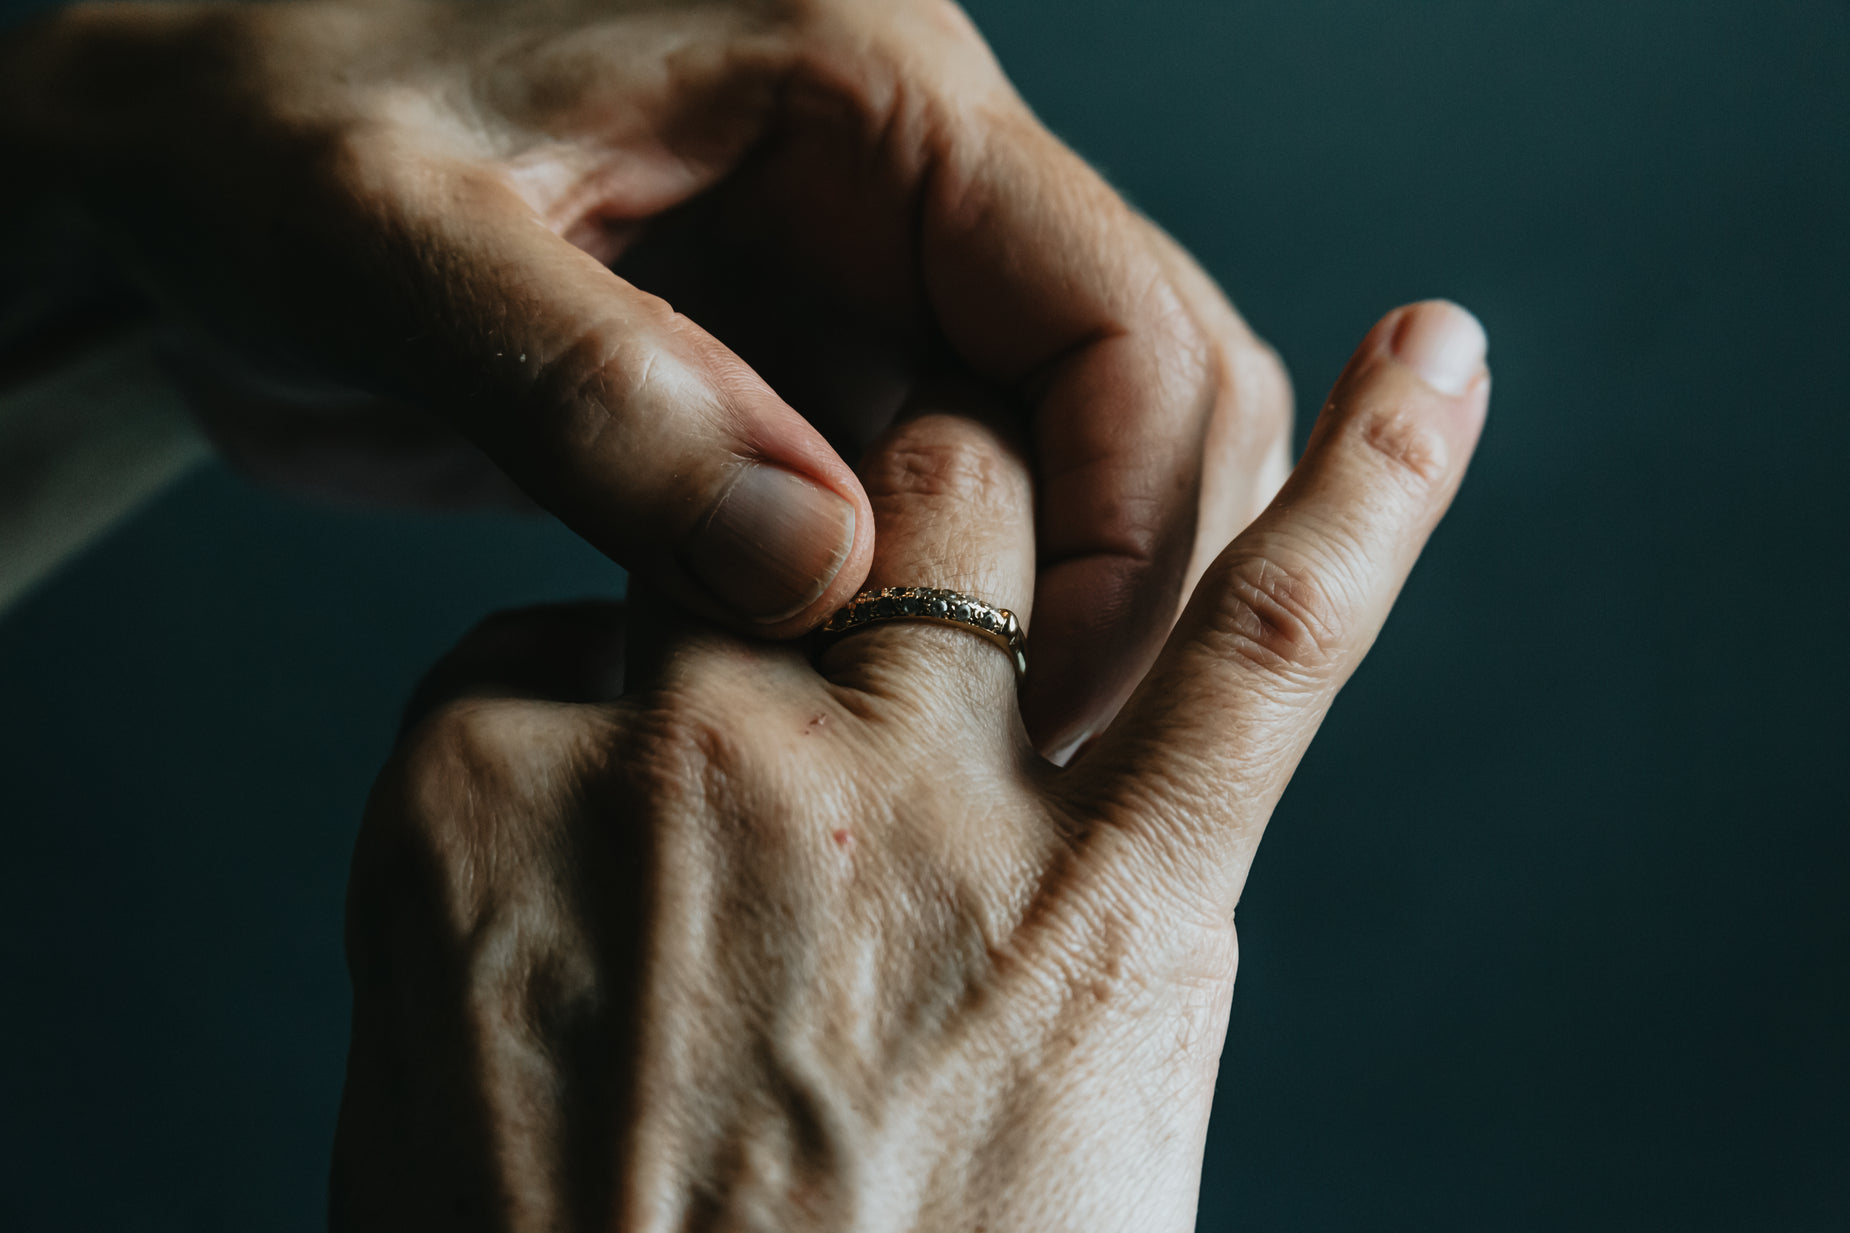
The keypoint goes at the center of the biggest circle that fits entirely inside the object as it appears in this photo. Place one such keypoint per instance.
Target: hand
(768, 943)
(420, 200)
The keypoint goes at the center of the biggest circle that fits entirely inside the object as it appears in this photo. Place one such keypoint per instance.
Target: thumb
(636, 427)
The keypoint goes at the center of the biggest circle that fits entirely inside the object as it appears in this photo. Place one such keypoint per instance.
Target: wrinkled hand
(421, 199)
(774, 943)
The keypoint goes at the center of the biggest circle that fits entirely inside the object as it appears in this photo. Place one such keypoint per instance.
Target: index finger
(1205, 748)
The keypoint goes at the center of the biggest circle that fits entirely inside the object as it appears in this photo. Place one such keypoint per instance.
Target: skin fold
(658, 262)
(655, 927)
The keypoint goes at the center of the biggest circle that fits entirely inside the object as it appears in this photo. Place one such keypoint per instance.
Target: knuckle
(1410, 452)
(472, 785)
(470, 832)
(685, 745)
(416, 846)
(1280, 619)
(607, 385)
(675, 742)
(585, 388)
(940, 458)
(697, 756)
(455, 761)
(892, 66)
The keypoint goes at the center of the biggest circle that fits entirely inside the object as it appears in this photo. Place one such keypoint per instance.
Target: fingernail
(1067, 753)
(1443, 343)
(773, 543)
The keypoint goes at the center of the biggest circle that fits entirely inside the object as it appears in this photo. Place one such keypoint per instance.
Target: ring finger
(953, 509)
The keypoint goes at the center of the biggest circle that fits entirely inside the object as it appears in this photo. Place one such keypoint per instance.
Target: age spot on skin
(815, 725)
(843, 838)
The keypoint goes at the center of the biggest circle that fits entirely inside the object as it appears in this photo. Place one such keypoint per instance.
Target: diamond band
(941, 607)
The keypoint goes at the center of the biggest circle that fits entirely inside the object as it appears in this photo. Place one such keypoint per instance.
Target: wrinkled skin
(388, 226)
(772, 937)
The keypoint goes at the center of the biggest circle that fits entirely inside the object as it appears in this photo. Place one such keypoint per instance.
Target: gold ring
(939, 607)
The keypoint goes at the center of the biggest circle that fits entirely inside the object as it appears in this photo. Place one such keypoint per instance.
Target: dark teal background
(1552, 931)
